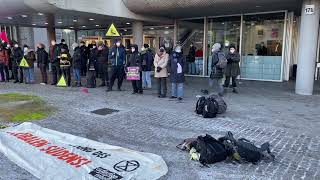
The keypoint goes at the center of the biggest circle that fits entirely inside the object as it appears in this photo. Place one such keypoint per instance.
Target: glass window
(262, 46)
(190, 36)
(158, 36)
(224, 30)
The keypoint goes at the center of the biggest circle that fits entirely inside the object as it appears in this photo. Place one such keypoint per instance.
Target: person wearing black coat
(191, 59)
(17, 55)
(76, 64)
(85, 52)
(43, 62)
(176, 68)
(136, 61)
(147, 62)
(233, 68)
(216, 72)
(54, 56)
(102, 60)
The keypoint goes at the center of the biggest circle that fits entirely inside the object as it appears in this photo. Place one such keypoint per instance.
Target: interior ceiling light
(151, 28)
(40, 14)
(75, 20)
(9, 17)
(83, 26)
(46, 23)
(33, 24)
(71, 27)
(24, 16)
(91, 19)
(97, 25)
(167, 27)
(128, 23)
(59, 22)
(258, 6)
(125, 30)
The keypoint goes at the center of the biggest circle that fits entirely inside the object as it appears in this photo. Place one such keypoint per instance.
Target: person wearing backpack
(233, 68)
(176, 67)
(216, 70)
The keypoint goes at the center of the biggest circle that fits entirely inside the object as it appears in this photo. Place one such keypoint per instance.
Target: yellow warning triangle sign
(112, 31)
(24, 63)
(62, 82)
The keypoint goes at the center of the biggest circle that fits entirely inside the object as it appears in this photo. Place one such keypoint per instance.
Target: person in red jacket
(4, 64)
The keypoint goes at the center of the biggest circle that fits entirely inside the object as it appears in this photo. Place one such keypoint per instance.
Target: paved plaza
(261, 112)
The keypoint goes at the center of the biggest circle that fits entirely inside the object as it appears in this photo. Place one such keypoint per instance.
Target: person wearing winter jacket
(17, 55)
(76, 64)
(102, 60)
(176, 69)
(4, 64)
(147, 62)
(43, 62)
(216, 72)
(161, 73)
(233, 68)
(117, 55)
(54, 56)
(136, 61)
(65, 65)
(30, 57)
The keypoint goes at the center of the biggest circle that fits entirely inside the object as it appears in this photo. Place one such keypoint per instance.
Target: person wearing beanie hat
(233, 68)
(147, 62)
(216, 74)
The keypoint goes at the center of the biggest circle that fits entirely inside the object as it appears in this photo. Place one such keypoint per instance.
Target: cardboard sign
(112, 31)
(133, 74)
(49, 154)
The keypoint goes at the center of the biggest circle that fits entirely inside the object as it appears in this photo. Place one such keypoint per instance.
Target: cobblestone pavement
(261, 112)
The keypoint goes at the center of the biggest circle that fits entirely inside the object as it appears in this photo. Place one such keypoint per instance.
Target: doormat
(104, 111)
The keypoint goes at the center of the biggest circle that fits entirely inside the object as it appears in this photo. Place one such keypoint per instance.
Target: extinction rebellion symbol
(126, 166)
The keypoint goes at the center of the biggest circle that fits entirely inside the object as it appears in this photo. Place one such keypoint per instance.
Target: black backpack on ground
(211, 108)
(246, 149)
(210, 149)
(222, 104)
(91, 79)
(200, 105)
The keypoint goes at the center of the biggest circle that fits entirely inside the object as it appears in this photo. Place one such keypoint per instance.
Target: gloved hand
(159, 69)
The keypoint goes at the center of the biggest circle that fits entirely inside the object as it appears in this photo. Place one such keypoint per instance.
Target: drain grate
(104, 111)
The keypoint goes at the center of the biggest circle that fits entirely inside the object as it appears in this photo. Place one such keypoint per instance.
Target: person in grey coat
(216, 72)
(233, 68)
(176, 68)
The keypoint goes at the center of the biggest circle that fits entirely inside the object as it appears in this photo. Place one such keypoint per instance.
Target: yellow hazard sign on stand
(24, 63)
(112, 31)
(62, 82)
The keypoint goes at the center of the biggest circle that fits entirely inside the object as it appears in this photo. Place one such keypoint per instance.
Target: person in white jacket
(161, 72)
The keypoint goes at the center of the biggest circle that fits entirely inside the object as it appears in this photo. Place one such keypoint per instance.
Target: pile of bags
(211, 106)
(208, 150)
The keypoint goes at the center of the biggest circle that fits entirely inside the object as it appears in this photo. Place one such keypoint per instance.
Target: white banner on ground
(49, 154)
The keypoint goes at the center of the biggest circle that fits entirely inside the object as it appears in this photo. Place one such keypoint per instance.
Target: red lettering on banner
(55, 151)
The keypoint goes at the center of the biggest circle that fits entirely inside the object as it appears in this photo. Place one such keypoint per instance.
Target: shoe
(15, 82)
(102, 85)
(43, 83)
(225, 86)
(134, 93)
(109, 89)
(140, 92)
(119, 89)
(53, 84)
(235, 91)
(220, 94)
(173, 97)
(180, 98)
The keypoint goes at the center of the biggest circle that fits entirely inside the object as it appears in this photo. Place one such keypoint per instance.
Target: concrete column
(309, 28)
(137, 31)
(175, 32)
(51, 31)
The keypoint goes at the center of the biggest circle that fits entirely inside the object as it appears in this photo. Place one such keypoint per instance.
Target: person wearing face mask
(160, 63)
(147, 61)
(176, 69)
(54, 56)
(76, 64)
(191, 59)
(30, 56)
(233, 68)
(103, 53)
(64, 45)
(92, 67)
(216, 72)
(65, 64)
(42, 62)
(136, 61)
(17, 55)
(9, 49)
(4, 63)
(84, 57)
(117, 55)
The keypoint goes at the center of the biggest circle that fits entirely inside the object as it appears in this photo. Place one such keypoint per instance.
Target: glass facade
(262, 46)
(192, 32)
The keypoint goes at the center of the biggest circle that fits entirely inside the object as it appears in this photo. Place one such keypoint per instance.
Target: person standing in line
(63, 45)
(9, 48)
(161, 73)
(43, 62)
(4, 64)
(216, 72)
(136, 61)
(176, 69)
(84, 57)
(118, 57)
(147, 62)
(233, 68)
(65, 64)
(92, 66)
(54, 55)
(191, 59)
(17, 55)
(30, 56)
(103, 53)
(76, 64)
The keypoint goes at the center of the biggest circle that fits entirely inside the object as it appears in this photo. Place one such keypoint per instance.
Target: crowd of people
(95, 60)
